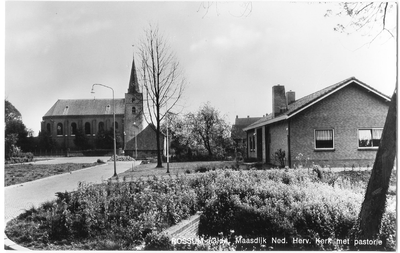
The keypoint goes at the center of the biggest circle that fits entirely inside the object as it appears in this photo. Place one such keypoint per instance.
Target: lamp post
(115, 144)
(134, 133)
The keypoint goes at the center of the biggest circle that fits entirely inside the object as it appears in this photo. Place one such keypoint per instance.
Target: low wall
(185, 229)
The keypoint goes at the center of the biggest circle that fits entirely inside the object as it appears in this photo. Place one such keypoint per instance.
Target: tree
(181, 139)
(81, 140)
(211, 130)
(368, 16)
(373, 206)
(105, 139)
(16, 134)
(372, 19)
(46, 141)
(162, 80)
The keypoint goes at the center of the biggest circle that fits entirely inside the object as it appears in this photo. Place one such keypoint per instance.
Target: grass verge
(21, 173)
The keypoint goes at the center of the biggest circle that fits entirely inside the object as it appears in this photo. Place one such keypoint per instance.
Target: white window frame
(358, 137)
(333, 139)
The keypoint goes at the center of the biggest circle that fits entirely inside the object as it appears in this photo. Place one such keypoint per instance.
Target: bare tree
(162, 80)
(372, 19)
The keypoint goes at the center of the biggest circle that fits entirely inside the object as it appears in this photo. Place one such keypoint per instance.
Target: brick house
(238, 135)
(340, 125)
(66, 116)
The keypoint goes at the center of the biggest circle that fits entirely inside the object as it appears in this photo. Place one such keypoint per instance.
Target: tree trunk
(159, 161)
(373, 206)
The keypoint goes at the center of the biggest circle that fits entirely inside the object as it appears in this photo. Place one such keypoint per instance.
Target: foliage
(105, 139)
(271, 203)
(283, 204)
(81, 140)
(280, 157)
(123, 212)
(17, 136)
(46, 141)
(211, 131)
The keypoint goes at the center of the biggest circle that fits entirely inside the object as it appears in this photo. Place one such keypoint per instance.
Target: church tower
(133, 123)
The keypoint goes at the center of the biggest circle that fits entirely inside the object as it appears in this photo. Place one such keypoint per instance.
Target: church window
(87, 128)
(133, 100)
(48, 128)
(60, 129)
(101, 126)
(133, 110)
(73, 128)
(116, 125)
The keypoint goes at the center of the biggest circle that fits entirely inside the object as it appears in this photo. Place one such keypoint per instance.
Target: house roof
(81, 107)
(240, 123)
(146, 140)
(307, 101)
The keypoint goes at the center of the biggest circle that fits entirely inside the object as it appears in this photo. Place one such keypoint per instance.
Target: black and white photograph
(200, 125)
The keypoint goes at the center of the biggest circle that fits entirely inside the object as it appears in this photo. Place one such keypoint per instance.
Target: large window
(369, 138)
(60, 129)
(73, 128)
(324, 139)
(101, 126)
(87, 128)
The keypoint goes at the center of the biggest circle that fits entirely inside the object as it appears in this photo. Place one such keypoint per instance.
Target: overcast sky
(57, 50)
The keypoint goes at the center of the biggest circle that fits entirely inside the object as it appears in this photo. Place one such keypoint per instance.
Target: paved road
(18, 198)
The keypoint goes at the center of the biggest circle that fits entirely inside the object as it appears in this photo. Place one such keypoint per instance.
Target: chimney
(290, 97)
(279, 105)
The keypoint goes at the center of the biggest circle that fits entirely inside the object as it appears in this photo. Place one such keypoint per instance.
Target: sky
(230, 55)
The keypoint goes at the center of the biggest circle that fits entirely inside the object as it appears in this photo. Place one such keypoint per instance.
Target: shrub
(157, 241)
(279, 203)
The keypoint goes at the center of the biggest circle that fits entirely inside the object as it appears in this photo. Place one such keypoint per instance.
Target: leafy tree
(81, 140)
(163, 82)
(46, 141)
(210, 130)
(105, 139)
(16, 134)
(179, 134)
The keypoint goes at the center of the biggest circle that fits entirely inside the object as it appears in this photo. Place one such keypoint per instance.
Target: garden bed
(280, 204)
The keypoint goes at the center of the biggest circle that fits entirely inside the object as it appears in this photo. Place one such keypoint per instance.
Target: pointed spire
(133, 82)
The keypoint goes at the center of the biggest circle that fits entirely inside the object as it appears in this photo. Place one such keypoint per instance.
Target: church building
(92, 116)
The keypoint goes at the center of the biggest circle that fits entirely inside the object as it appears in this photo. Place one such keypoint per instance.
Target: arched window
(87, 128)
(133, 100)
(133, 110)
(116, 125)
(101, 126)
(48, 127)
(73, 128)
(60, 129)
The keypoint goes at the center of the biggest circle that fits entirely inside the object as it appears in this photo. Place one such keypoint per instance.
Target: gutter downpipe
(289, 153)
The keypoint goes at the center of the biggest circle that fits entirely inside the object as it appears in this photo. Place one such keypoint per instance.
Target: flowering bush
(238, 204)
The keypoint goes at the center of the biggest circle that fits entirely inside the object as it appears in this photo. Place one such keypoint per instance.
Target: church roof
(81, 107)
(133, 81)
